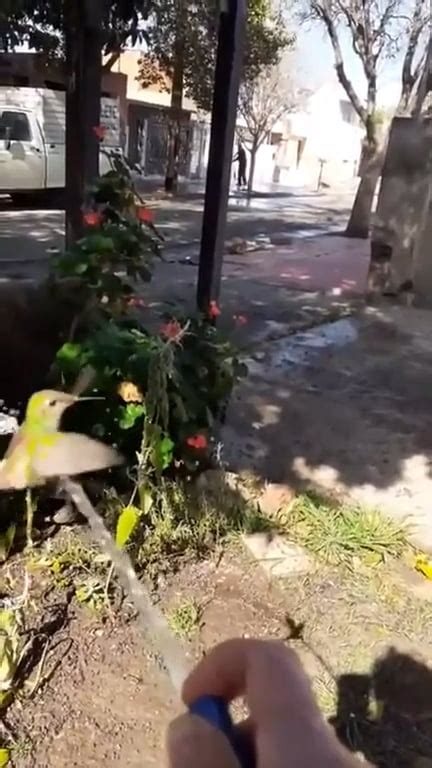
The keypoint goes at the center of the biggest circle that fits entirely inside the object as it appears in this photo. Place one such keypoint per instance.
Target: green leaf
(130, 413)
(4, 757)
(69, 352)
(100, 243)
(6, 542)
(162, 453)
(80, 267)
(126, 524)
(146, 500)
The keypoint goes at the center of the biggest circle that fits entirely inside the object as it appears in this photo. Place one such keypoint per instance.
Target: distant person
(242, 164)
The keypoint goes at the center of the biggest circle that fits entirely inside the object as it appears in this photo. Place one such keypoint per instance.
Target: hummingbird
(40, 451)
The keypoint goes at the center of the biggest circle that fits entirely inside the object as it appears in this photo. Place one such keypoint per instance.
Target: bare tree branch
(376, 30)
(411, 76)
(323, 12)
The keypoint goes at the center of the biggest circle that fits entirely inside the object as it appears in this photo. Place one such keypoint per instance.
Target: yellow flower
(129, 392)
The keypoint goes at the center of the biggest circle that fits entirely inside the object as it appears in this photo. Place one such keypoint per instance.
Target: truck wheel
(23, 199)
(52, 198)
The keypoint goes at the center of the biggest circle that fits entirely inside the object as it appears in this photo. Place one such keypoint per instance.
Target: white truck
(32, 140)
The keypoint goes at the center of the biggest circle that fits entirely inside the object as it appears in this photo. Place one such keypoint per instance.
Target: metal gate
(156, 147)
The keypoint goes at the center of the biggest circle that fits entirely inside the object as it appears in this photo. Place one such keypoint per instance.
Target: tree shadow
(351, 414)
(387, 714)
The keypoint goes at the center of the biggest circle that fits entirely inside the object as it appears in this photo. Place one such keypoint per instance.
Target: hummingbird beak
(96, 397)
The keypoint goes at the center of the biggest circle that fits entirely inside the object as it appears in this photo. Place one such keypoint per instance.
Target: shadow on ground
(353, 416)
(387, 714)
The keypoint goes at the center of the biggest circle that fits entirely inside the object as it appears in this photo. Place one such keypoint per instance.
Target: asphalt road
(27, 236)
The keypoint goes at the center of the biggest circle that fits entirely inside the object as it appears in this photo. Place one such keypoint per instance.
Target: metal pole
(227, 77)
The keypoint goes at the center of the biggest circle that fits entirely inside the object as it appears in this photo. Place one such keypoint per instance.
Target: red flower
(213, 310)
(93, 219)
(145, 215)
(99, 131)
(135, 301)
(197, 441)
(240, 319)
(171, 330)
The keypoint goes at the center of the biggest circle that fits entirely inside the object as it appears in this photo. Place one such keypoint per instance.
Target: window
(14, 126)
(349, 115)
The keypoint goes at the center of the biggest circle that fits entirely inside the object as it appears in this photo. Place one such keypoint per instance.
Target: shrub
(119, 244)
(175, 389)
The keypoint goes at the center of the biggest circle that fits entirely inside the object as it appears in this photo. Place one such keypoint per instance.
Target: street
(28, 235)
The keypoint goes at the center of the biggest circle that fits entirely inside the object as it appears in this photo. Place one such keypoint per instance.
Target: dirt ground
(365, 641)
(352, 414)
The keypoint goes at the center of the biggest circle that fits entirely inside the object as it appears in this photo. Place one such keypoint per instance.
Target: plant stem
(152, 619)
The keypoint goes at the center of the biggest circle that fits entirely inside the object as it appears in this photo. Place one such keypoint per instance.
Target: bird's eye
(52, 403)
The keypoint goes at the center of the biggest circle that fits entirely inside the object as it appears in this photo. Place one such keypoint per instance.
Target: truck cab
(32, 140)
(23, 160)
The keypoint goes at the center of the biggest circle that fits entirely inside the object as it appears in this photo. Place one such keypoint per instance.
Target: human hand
(285, 727)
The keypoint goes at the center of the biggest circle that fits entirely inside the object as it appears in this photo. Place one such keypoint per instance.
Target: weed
(181, 523)
(21, 749)
(73, 564)
(91, 593)
(339, 534)
(186, 619)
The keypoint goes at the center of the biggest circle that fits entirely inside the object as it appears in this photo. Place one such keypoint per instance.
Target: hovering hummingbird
(39, 451)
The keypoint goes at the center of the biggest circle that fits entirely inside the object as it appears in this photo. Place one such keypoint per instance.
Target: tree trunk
(253, 154)
(361, 214)
(83, 25)
(174, 126)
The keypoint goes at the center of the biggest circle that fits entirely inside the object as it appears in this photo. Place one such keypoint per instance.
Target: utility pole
(229, 57)
(83, 35)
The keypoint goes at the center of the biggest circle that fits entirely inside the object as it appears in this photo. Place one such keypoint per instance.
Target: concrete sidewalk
(345, 408)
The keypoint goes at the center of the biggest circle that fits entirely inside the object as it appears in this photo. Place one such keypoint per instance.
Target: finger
(288, 728)
(194, 743)
(266, 672)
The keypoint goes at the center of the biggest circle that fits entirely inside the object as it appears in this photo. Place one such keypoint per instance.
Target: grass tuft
(337, 534)
(186, 619)
(185, 524)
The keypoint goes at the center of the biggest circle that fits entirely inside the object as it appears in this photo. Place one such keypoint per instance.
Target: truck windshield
(14, 126)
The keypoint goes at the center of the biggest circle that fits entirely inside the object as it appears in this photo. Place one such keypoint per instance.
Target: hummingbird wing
(73, 454)
(15, 469)
(17, 440)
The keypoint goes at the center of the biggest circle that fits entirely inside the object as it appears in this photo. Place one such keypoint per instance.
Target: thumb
(194, 743)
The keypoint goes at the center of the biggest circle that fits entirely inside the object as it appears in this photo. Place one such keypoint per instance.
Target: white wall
(329, 140)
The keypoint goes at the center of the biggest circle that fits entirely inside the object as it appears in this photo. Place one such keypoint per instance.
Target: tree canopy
(39, 24)
(192, 27)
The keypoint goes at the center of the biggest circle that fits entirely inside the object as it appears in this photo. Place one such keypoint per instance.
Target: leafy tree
(182, 38)
(39, 24)
(378, 30)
